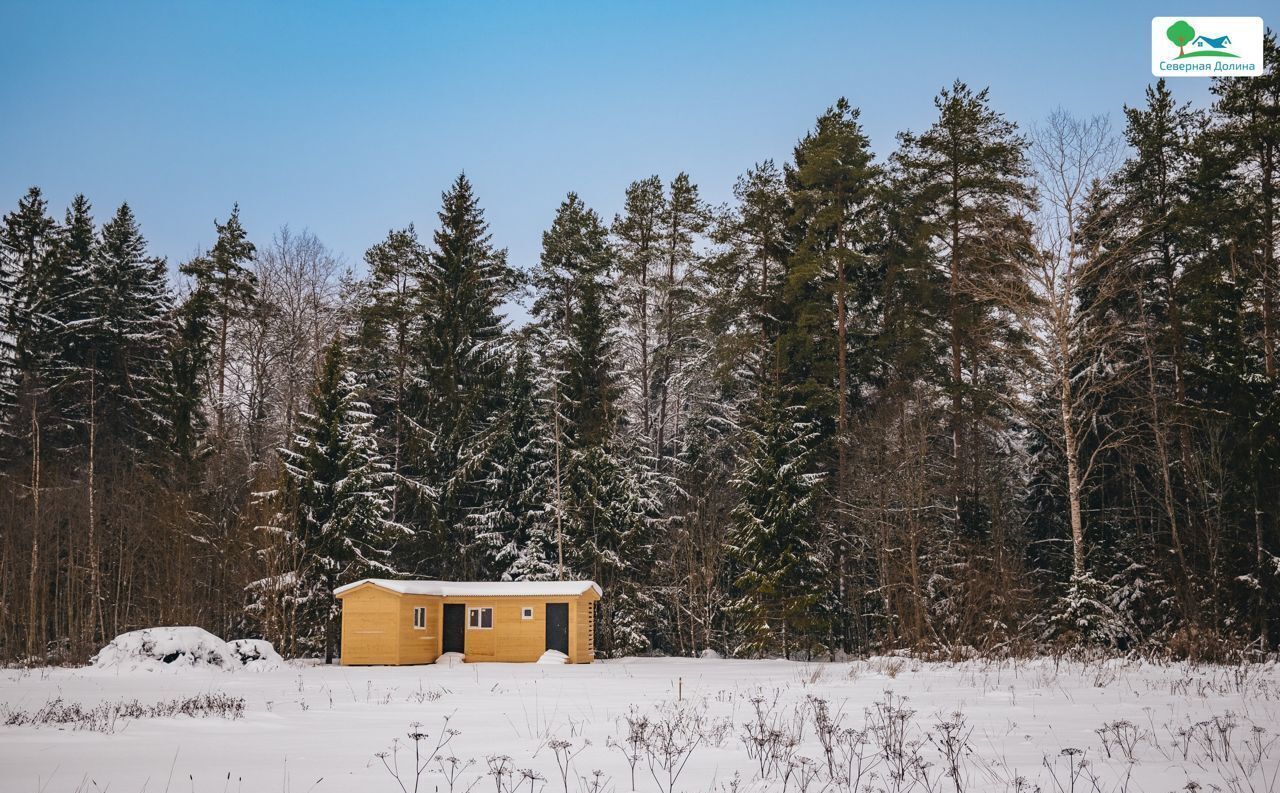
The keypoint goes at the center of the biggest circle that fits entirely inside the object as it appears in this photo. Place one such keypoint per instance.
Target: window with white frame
(526, 613)
(480, 618)
(420, 617)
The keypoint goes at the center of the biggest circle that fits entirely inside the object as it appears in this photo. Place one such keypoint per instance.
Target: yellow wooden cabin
(415, 622)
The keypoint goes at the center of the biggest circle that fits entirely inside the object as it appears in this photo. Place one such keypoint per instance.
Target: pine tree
(337, 502)
(968, 178)
(833, 278)
(781, 587)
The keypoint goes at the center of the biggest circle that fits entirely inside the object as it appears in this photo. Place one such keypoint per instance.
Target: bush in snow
(104, 716)
(185, 647)
(255, 653)
(155, 647)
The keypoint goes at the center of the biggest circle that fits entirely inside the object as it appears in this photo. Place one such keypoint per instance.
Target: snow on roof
(478, 588)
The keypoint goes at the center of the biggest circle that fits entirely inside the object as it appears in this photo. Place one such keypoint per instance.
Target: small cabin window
(526, 613)
(420, 617)
(480, 618)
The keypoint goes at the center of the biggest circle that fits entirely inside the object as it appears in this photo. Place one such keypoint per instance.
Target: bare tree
(1071, 156)
(279, 342)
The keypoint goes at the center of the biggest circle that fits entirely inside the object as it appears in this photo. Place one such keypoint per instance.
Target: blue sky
(350, 118)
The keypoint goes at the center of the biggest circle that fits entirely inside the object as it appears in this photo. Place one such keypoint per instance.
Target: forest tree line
(1004, 390)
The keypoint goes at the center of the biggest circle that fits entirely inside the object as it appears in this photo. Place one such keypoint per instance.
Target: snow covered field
(1110, 727)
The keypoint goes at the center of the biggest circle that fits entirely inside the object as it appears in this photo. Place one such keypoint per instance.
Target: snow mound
(709, 655)
(451, 659)
(157, 648)
(255, 654)
(553, 657)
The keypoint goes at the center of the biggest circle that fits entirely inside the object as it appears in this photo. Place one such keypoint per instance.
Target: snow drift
(184, 647)
(553, 657)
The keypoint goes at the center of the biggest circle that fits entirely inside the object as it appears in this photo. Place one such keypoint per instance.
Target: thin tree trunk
(33, 582)
(1266, 155)
(957, 370)
(555, 408)
(95, 581)
(222, 372)
(1073, 478)
(1168, 499)
(668, 311)
(842, 424)
(401, 364)
(646, 408)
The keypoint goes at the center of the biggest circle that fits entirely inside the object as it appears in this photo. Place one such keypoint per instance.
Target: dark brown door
(455, 628)
(558, 627)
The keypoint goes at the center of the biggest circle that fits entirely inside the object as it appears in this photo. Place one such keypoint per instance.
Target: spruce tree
(457, 388)
(229, 287)
(128, 334)
(1248, 125)
(513, 528)
(603, 497)
(781, 604)
(337, 503)
(1241, 316)
(57, 293)
(28, 238)
(1146, 248)
(189, 355)
(637, 233)
(680, 297)
(746, 277)
(389, 326)
(578, 318)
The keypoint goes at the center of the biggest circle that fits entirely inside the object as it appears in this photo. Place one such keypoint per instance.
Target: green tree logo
(1181, 34)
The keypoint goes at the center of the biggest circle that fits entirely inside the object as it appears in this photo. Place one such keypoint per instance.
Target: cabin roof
(478, 588)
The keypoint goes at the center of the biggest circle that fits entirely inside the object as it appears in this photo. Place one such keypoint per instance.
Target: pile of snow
(185, 646)
(553, 657)
(155, 648)
(255, 654)
(451, 659)
(709, 655)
